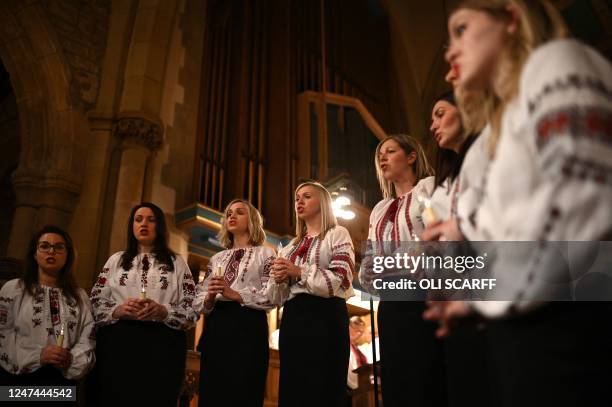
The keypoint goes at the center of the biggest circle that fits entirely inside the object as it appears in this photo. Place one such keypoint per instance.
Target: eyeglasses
(46, 247)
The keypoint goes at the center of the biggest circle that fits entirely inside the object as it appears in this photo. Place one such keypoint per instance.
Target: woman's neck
(47, 279)
(405, 185)
(241, 241)
(313, 226)
(145, 249)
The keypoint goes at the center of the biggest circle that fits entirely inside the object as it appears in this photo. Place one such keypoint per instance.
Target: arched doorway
(10, 148)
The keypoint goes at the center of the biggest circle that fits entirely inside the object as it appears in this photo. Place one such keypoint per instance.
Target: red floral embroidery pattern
(576, 122)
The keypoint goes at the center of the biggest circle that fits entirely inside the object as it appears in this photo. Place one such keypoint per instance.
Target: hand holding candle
(429, 215)
(143, 292)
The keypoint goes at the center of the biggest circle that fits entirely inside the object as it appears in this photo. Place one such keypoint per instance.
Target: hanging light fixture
(340, 200)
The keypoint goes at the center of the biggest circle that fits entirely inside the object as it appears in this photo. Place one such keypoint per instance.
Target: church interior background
(192, 103)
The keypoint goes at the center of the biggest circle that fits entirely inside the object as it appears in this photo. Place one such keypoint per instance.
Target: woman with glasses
(45, 318)
(142, 303)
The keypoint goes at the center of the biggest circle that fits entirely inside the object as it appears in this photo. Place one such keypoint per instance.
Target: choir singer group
(524, 154)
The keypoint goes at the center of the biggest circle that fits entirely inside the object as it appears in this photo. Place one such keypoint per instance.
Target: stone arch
(47, 181)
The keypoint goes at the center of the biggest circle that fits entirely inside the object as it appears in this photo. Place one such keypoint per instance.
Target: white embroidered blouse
(394, 220)
(327, 267)
(551, 178)
(175, 290)
(246, 270)
(30, 323)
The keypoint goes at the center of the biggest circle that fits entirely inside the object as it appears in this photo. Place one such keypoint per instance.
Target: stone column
(41, 198)
(140, 138)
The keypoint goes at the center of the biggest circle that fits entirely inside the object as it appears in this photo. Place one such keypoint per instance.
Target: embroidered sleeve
(83, 355)
(8, 338)
(328, 280)
(102, 303)
(254, 295)
(19, 354)
(181, 314)
(562, 144)
(199, 305)
(570, 120)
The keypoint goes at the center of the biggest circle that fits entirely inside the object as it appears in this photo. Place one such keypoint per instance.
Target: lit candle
(60, 337)
(279, 248)
(143, 292)
(219, 271)
(429, 215)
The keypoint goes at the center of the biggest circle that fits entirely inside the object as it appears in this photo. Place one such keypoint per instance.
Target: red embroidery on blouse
(233, 267)
(302, 250)
(390, 216)
(407, 215)
(54, 307)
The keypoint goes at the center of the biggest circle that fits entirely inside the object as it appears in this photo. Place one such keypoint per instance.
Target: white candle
(60, 337)
(429, 215)
(143, 291)
(219, 271)
(279, 248)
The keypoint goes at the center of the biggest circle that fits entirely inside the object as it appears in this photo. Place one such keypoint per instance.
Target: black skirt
(469, 369)
(139, 363)
(412, 360)
(44, 376)
(314, 352)
(235, 351)
(559, 355)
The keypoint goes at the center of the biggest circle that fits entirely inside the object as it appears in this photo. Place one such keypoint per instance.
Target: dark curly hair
(65, 280)
(162, 252)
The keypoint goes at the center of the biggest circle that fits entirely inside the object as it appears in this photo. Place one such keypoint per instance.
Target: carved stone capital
(46, 189)
(140, 131)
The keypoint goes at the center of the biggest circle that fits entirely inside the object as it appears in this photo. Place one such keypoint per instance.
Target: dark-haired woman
(142, 304)
(45, 318)
(466, 354)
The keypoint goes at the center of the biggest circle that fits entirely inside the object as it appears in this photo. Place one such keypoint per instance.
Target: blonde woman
(408, 377)
(547, 101)
(312, 278)
(234, 344)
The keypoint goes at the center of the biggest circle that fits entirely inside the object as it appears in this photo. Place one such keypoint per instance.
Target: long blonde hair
(257, 235)
(538, 23)
(408, 144)
(328, 219)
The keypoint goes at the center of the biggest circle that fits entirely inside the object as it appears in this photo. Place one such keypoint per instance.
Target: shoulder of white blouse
(114, 259)
(179, 262)
(560, 58)
(264, 251)
(379, 208)
(12, 288)
(424, 186)
(338, 233)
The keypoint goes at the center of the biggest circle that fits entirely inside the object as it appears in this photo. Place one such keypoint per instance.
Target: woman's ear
(412, 157)
(513, 22)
